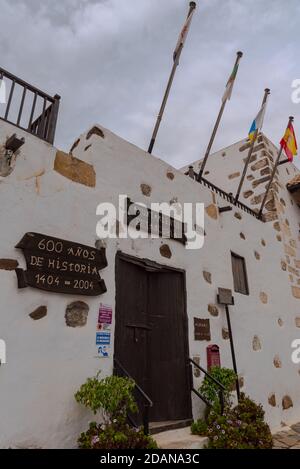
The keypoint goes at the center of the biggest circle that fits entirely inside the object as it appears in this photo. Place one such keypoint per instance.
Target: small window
(239, 272)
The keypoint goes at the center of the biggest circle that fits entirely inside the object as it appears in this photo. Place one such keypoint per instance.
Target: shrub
(199, 427)
(113, 397)
(210, 390)
(248, 410)
(108, 437)
(242, 427)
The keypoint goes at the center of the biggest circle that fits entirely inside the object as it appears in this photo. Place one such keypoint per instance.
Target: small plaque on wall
(201, 329)
(225, 296)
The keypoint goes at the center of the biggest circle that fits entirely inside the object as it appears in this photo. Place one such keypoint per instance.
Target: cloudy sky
(110, 60)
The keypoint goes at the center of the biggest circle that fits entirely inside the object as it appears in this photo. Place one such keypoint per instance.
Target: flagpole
(212, 138)
(291, 118)
(169, 85)
(267, 92)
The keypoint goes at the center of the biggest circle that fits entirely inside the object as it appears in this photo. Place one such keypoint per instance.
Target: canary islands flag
(289, 142)
(257, 123)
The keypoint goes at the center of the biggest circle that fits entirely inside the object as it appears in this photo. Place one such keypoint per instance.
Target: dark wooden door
(168, 366)
(151, 338)
(131, 310)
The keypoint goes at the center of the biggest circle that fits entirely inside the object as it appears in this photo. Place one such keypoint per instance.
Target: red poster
(104, 317)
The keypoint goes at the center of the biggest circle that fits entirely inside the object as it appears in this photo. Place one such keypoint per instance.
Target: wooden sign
(225, 296)
(156, 223)
(61, 266)
(202, 329)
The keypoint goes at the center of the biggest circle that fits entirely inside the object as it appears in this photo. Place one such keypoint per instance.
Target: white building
(155, 287)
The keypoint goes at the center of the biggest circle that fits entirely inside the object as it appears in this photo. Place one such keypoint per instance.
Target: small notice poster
(104, 317)
(103, 351)
(103, 338)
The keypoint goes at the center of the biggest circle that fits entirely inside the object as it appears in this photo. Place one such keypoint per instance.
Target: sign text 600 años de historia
(61, 266)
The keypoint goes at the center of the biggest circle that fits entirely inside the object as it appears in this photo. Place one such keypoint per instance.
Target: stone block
(260, 164)
(256, 344)
(263, 297)
(39, 313)
(76, 314)
(74, 169)
(165, 251)
(207, 276)
(272, 400)
(146, 189)
(212, 211)
(287, 402)
(234, 175)
(213, 310)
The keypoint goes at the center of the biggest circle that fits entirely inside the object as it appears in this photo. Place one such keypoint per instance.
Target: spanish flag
(289, 142)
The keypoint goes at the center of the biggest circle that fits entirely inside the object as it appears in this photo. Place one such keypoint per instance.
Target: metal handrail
(228, 197)
(147, 404)
(220, 385)
(223, 194)
(207, 374)
(43, 125)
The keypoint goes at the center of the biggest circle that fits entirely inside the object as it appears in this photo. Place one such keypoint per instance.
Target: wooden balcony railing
(28, 107)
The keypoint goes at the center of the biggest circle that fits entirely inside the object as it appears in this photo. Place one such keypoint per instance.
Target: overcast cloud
(110, 60)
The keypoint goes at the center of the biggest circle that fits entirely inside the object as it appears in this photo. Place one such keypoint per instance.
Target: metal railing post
(146, 419)
(147, 401)
(53, 119)
(214, 380)
(221, 399)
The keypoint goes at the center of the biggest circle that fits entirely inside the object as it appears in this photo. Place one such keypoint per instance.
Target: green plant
(112, 395)
(248, 410)
(199, 427)
(108, 437)
(241, 427)
(211, 391)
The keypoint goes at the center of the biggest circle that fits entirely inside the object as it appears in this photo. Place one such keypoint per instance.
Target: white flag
(260, 117)
(183, 34)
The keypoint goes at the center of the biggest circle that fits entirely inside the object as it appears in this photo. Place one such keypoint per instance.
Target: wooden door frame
(148, 264)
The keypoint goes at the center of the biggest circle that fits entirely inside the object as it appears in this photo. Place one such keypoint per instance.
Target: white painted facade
(47, 361)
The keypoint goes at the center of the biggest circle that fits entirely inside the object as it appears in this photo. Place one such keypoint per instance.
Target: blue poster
(103, 338)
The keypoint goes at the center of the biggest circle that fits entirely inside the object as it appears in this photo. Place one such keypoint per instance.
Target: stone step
(180, 438)
(158, 427)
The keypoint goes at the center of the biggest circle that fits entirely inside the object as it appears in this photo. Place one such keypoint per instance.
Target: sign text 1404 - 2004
(62, 266)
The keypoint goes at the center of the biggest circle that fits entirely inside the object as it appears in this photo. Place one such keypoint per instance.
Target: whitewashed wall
(47, 360)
